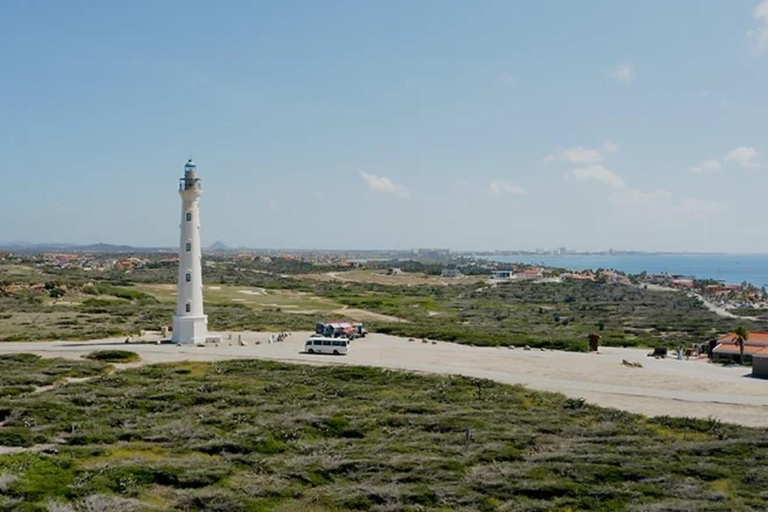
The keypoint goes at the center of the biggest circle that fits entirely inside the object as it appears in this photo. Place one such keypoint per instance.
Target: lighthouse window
(189, 277)
(189, 246)
(189, 216)
(189, 307)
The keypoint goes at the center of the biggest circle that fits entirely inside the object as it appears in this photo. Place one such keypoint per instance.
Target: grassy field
(64, 304)
(70, 304)
(289, 301)
(20, 271)
(751, 312)
(74, 305)
(250, 435)
(378, 276)
(552, 315)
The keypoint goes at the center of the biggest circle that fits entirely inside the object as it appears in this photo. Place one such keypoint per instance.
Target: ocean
(730, 268)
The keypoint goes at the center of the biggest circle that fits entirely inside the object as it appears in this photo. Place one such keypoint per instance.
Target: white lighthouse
(190, 325)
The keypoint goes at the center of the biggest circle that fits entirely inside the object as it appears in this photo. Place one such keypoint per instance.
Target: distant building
(452, 273)
(584, 276)
(434, 254)
(394, 271)
(727, 348)
(614, 278)
(130, 264)
(518, 275)
(502, 275)
(529, 273)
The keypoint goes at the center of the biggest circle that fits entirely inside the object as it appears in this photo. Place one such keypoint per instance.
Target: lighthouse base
(190, 330)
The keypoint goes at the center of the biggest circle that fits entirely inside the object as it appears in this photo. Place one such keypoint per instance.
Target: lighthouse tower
(190, 325)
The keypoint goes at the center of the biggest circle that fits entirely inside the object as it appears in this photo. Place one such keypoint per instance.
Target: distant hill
(107, 248)
(100, 248)
(218, 245)
(21, 247)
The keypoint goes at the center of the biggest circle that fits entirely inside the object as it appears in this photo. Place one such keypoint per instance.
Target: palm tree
(741, 335)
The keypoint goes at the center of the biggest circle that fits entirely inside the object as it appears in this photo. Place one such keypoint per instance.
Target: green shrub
(43, 477)
(338, 438)
(114, 356)
(16, 436)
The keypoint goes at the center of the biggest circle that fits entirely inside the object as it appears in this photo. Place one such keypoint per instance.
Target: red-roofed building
(530, 273)
(727, 348)
(613, 278)
(586, 276)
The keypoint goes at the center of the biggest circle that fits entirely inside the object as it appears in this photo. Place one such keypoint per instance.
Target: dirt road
(660, 387)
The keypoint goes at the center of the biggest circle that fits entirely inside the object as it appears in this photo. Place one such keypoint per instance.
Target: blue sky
(388, 124)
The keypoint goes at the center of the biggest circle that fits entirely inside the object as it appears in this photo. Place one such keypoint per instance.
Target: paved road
(660, 387)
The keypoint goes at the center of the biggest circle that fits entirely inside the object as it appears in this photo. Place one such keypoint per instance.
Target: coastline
(728, 268)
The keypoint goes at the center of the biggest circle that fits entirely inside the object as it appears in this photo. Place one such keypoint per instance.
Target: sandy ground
(660, 387)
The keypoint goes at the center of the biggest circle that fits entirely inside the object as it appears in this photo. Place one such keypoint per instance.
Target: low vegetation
(25, 373)
(551, 315)
(114, 356)
(74, 304)
(760, 313)
(251, 435)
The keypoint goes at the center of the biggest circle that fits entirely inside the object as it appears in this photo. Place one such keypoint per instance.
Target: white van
(322, 345)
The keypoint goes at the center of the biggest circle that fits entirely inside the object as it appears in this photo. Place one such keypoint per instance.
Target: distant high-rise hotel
(190, 325)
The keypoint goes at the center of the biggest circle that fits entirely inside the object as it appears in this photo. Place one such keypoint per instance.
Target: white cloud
(623, 73)
(707, 166)
(497, 187)
(638, 198)
(383, 184)
(746, 157)
(759, 36)
(598, 174)
(583, 156)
